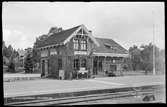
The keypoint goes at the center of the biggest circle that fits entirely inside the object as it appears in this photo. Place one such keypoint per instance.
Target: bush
(11, 67)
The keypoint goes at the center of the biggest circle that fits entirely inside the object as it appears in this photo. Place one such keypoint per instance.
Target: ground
(46, 86)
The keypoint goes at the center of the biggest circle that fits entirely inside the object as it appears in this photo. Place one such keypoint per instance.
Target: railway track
(86, 98)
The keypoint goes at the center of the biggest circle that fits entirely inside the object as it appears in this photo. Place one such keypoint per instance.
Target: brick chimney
(90, 32)
(55, 30)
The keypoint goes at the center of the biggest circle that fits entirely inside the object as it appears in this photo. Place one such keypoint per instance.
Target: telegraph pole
(154, 73)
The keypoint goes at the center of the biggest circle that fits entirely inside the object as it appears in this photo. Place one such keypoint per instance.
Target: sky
(128, 23)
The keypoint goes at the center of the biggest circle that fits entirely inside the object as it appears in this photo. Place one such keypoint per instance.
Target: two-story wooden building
(70, 51)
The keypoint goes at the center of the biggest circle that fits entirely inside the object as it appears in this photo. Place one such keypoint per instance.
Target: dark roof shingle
(115, 47)
(57, 38)
(104, 47)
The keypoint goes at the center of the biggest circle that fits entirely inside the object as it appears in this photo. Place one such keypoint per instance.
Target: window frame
(60, 64)
(76, 64)
(76, 44)
(80, 40)
(83, 45)
(83, 63)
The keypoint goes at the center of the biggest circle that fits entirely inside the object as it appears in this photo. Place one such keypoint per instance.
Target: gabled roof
(104, 45)
(57, 38)
(109, 46)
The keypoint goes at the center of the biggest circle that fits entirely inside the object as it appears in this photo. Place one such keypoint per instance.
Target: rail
(85, 98)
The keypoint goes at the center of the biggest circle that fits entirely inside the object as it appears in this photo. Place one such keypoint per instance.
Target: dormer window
(108, 45)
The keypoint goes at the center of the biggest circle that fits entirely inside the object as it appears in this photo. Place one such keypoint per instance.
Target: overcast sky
(128, 23)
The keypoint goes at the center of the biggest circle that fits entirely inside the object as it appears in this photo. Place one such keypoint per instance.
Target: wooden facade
(64, 60)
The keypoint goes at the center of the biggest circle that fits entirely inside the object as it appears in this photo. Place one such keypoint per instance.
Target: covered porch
(108, 62)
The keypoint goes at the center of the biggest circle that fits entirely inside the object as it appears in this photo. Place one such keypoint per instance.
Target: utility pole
(154, 73)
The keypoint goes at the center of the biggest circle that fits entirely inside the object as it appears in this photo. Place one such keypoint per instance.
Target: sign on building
(53, 52)
(44, 53)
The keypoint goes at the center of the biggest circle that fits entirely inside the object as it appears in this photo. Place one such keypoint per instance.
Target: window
(44, 53)
(78, 36)
(76, 64)
(83, 45)
(80, 42)
(53, 52)
(76, 44)
(59, 64)
(83, 64)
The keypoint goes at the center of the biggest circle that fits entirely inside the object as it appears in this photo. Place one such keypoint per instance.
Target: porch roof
(111, 49)
(111, 54)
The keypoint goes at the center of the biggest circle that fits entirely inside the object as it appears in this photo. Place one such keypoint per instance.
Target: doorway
(43, 68)
(95, 67)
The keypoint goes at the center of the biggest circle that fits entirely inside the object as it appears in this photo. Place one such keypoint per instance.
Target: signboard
(44, 53)
(53, 52)
(82, 70)
(80, 52)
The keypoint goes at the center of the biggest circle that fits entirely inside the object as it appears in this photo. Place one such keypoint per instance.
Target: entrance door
(43, 67)
(94, 67)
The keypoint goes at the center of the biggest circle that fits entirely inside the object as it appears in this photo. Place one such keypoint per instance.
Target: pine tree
(11, 65)
(28, 65)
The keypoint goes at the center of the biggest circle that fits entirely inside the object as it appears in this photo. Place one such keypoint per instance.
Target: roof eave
(50, 46)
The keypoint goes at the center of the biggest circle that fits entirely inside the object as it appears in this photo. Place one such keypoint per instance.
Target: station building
(75, 51)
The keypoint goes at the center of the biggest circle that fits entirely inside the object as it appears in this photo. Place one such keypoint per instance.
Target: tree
(142, 58)
(3, 47)
(35, 59)
(6, 51)
(160, 61)
(28, 65)
(147, 57)
(135, 57)
(16, 54)
(35, 55)
(11, 65)
(127, 64)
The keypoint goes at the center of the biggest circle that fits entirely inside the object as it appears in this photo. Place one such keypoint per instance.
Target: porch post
(97, 65)
(104, 65)
(41, 66)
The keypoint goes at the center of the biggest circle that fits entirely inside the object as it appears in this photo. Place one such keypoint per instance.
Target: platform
(52, 86)
(18, 76)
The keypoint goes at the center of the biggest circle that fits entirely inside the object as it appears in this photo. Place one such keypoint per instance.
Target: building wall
(66, 53)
